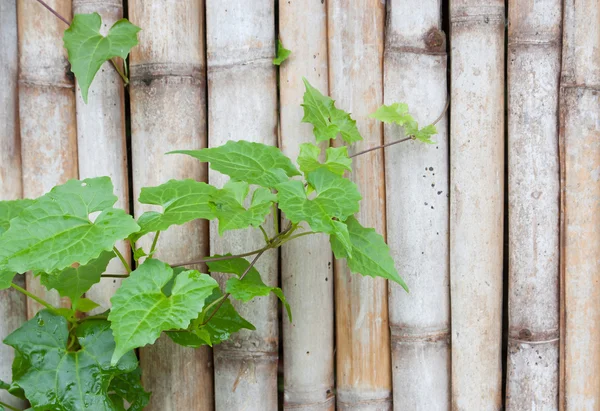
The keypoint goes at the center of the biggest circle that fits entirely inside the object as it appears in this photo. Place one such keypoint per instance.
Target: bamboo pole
(533, 188)
(356, 32)
(306, 263)
(580, 162)
(46, 111)
(168, 112)
(101, 137)
(13, 306)
(476, 202)
(417, 208)
(242, 105)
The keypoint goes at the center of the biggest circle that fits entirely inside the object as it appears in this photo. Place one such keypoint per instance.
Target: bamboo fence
(203, 74)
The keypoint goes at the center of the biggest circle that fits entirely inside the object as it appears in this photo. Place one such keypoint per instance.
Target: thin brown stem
(54, 12)
(115, 275)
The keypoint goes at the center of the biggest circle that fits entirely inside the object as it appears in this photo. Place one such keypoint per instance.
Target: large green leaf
(56, 378)
(228, 206)
(254, 163)
(182, 201)
(129, 387)
(222, 324)
(141, 311)
(56, 231)
(88, 49)
(11, 209)
(250, 286)
(370, 254)
(282, 54)
(336, 160)
(74, 282)
(328, 121)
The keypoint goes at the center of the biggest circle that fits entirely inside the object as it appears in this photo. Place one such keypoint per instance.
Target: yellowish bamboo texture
(306, 263)
(242, 92)
(168, 106)
(47, 110)
(476, 202)
(356, 32)
(101, 137)
(580, 140)
(534, 187)
(417, 207)
(13, 306)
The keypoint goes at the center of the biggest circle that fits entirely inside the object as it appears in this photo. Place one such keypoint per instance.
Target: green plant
(64, 361)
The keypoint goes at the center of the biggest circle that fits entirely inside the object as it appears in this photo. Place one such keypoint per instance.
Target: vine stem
(115, 275)
(125, 264)
(265, 235)
(8, 406)
(154, 242)
(54, 12)
(36, 298)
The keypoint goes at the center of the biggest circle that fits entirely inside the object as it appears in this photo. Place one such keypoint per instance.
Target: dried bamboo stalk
(534, 188)
(168, 106)
(243, 106)
(356, 32)
(13, 306)
(476, 202)
(306, 263)
(47, 111)
(101, 137)
(580, 162)
(417, 208)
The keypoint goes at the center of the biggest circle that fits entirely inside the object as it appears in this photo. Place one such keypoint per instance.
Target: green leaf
(129, 387)
(182, 201)
(328, 121)
(424, 134)
(85, 305)
(58, 379)
(6, 278)
(250, 286)
(88, 49)
(227, 205)
(336, 161)
(395, 113)
(282, 54)
(337, 197)
(253, 163)
(74, 282)
(370, 254)
(56, 231)
(11, 209)
(141, 311)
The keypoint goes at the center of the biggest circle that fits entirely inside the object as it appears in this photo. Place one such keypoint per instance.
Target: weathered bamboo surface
(580, 161)
(168, 112)
(47, 110)
(417, 208)
(240, 41)
(306, 263)
(356, 32)
(534, 33)
(476, 202)
(13, 306)
(101, 140)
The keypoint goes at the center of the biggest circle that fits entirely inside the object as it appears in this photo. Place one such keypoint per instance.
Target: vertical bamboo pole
(417, 208)
(47, 110)
(13, 306)
(168, 112)
(580, 160)
(534, 189)
(356, 31)
(242, 92)
(101, 137)
(476, 202)
(306, 266)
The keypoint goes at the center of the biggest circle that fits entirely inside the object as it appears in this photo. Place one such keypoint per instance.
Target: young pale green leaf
(250, 286)
(141, 311)
(227, 205)
(74, 282)
(182, 201)
(327, 120)
(85, 305)
(6, 278)
(56, 231)
(88, 49)
(11, 209)
(129, 387)
(282, 54)
(55, 378)
(370, 254)
(424, 134)
(394, 113)
(336, 160)
(253, 163)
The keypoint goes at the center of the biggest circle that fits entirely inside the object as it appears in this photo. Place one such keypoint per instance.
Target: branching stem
(36, 298)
